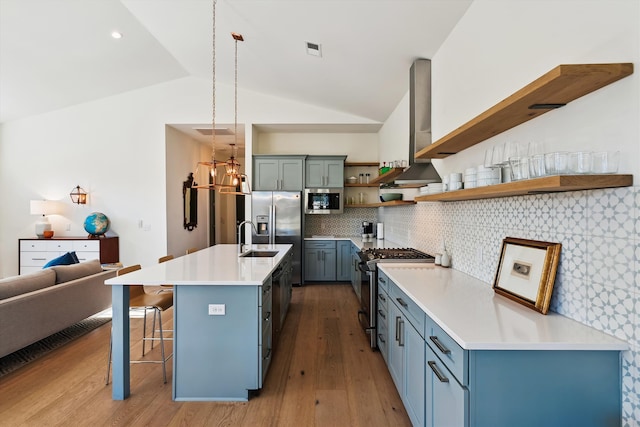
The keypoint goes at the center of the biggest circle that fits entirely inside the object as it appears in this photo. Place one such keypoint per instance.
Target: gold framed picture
(527, 271)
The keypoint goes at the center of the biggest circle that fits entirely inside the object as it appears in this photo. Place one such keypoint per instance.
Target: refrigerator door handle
(272, 232)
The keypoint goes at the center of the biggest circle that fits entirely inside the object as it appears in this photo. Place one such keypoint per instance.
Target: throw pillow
(65, 259)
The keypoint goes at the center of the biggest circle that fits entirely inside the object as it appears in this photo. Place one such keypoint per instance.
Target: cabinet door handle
(402, 303)
(397, 328)
(440, 346)
(268, 356)
(436, 371)
(381, 313)
(266, 319)
(401, 340)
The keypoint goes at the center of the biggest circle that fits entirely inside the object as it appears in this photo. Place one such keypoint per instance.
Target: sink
(259, 254)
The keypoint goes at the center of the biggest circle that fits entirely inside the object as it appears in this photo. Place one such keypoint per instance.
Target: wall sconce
(78, 196)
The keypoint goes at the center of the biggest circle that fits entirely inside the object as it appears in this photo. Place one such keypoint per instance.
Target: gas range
(373, 256)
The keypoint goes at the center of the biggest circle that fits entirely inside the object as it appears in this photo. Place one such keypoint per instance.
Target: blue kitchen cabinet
(344, 260)
(324, 171)
(446, 399)
(320, 260)
(278, 173)
(406, 352)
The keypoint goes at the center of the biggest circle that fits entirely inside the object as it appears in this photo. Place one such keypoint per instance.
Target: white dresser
(35, 253)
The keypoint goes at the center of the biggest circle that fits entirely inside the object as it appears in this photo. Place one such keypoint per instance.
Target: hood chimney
(419, 123)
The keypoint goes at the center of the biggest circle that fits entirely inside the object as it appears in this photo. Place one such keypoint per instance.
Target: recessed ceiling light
(116, 34)
(314, 49)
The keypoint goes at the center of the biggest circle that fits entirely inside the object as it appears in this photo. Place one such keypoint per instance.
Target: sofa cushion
(65, 259)
(65, 273)
(17, 285)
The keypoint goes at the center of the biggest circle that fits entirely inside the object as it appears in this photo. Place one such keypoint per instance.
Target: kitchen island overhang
(215, 275)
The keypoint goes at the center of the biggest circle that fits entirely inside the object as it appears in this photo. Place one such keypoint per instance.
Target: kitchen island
(222, 321)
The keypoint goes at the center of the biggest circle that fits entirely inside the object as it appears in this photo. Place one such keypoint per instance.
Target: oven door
(367, 311)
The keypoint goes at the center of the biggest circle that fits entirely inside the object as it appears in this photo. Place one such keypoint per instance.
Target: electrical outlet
(216, 309)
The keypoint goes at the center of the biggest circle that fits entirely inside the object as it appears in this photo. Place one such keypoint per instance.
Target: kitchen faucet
(246, 221)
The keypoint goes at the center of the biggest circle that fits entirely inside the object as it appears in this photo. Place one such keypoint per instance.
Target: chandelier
(233, 181)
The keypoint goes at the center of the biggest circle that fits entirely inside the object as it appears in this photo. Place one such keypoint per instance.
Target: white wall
(115, 149)
(358, 147)
(498, 47)
(182, 155)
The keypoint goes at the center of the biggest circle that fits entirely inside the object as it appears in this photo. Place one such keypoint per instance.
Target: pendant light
(213, 164)
(233, 181)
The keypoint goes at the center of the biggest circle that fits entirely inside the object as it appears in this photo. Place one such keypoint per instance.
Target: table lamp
(44, 208)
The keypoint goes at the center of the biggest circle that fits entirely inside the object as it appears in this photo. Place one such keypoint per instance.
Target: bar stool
(191, 250)
(141, 300)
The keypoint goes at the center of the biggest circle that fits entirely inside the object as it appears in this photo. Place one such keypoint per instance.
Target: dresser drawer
(86, 245)
(410, 309)
(36, 259)
(87, 256)
(451, 354)
(59, 245)
(33, 245)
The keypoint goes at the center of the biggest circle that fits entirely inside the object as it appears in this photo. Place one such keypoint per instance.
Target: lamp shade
(42, 207)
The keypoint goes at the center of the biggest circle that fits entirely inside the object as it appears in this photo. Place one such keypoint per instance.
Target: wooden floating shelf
(547, 184)
(360, 164)
(383, 204)
(388, 176)
(556, 88)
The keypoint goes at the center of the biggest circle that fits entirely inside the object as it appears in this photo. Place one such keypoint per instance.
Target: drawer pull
(382, 298)
(381, 313)
(402, 303)
(268, 356)
(266, 290)
(436, 371)
(266, 319)
(38, 259)
(381, 339)
(381, 279)
(441, 347)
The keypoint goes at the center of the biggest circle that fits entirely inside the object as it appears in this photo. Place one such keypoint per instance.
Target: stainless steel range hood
(419, 124)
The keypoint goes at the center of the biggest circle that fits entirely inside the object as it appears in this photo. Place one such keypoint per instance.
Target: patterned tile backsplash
(598, 282)
(347, 224)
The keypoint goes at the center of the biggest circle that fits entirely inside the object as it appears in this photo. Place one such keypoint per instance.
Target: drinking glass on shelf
(605, 162)
(580, 162)
(519, 168)
(537, 166)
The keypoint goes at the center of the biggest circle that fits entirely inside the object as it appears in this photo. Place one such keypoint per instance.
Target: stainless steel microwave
(323, 200)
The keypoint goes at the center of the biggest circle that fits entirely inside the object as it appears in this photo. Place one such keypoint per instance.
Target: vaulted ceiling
(56, 53)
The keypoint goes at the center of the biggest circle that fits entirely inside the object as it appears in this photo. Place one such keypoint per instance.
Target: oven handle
(362, 266)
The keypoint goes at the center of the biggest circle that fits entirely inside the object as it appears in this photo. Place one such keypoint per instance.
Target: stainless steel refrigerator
(277, 216)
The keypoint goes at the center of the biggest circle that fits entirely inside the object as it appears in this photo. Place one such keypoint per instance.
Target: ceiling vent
(219, 131)
(314, 49)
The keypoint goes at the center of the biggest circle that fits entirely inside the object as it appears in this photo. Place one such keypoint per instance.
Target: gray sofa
(36, 305)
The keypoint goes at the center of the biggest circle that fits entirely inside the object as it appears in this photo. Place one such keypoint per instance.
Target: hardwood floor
(322, 374)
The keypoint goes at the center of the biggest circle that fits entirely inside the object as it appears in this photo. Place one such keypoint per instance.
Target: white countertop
(216, 265)
(478, 319)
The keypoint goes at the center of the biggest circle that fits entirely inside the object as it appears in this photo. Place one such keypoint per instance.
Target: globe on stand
(96, 224)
